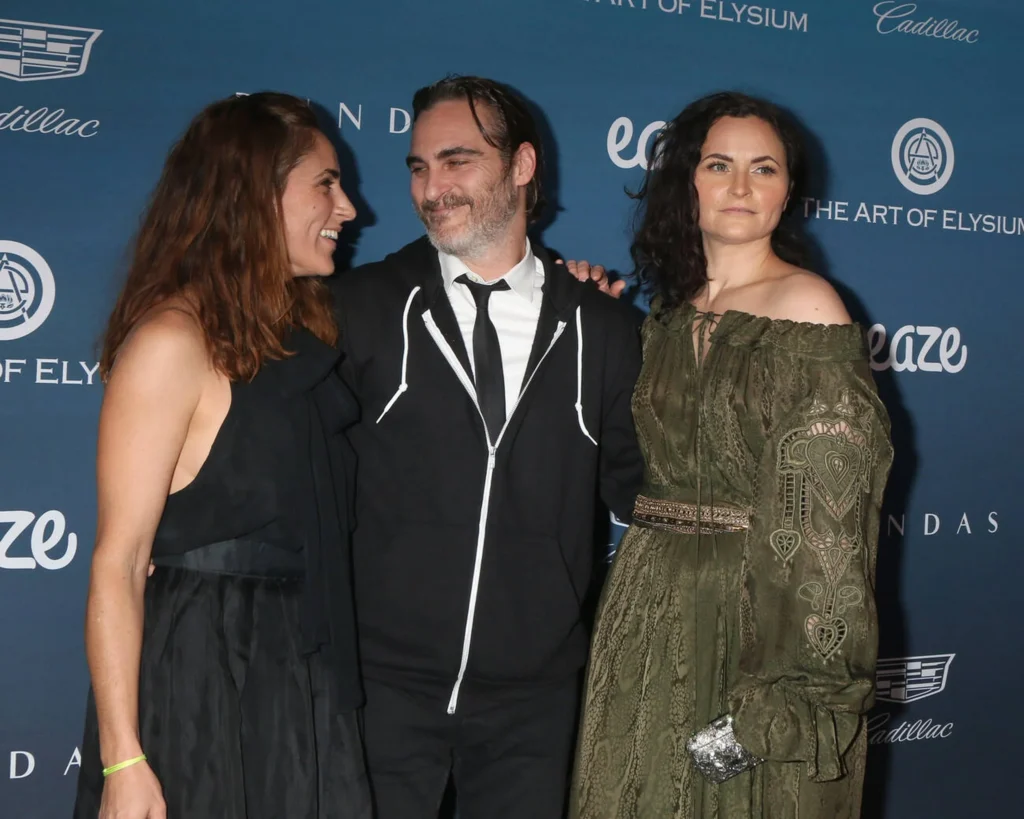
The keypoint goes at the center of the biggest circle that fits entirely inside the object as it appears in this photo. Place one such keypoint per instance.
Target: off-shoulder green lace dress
(777, 424)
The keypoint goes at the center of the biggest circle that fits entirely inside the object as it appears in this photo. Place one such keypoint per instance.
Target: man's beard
(488, 220)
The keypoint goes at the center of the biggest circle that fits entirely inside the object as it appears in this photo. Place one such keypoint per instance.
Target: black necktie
(490, 378)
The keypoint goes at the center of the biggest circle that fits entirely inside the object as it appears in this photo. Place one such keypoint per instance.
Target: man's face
(463, 190)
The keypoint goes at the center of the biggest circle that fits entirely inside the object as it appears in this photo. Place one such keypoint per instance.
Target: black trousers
(509, 751)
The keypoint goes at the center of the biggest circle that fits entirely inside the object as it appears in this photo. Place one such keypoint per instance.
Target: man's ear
(524, 164)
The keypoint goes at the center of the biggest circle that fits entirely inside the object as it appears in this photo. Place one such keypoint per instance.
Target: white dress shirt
(514, 313)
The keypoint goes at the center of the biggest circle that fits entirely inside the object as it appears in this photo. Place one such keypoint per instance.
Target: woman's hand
(133, 793)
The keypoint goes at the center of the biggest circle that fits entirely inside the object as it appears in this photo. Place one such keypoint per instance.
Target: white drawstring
(403, 386)
(579, 374)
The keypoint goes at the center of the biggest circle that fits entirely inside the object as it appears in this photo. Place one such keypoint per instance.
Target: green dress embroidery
(775, 625)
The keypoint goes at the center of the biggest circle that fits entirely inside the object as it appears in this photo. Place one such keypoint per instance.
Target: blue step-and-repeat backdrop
(917, 212)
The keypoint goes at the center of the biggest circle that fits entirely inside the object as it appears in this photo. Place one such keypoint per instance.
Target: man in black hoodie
(495, 392)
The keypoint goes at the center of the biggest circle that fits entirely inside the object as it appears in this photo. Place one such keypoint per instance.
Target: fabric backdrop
(916, 212)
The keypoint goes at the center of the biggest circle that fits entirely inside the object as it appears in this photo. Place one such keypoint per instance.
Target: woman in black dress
(225, 685)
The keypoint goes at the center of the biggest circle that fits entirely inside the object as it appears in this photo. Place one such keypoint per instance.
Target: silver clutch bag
(717, 754)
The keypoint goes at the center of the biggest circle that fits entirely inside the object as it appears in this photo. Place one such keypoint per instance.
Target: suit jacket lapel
(559, 298)
(440, 307)
(546, 325)
(557, 305)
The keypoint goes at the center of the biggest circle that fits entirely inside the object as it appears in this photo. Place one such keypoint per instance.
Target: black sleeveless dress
(249, 690)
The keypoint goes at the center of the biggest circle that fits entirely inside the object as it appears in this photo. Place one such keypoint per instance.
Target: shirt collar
(520, 278)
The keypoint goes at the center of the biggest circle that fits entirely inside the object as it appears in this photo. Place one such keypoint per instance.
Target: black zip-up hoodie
(472, 563)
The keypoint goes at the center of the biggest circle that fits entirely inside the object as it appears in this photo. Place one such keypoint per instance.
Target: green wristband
(120, 766)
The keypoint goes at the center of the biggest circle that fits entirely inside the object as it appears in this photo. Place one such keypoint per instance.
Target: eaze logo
(620, 138)
(51, 545)
(917, 348)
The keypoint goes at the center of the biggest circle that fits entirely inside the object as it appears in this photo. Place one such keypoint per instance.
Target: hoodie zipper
(492, 449)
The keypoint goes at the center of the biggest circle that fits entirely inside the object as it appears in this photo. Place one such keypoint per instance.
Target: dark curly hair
(667, 249)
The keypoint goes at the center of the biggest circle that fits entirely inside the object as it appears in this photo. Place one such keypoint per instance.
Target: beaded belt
(677, 516)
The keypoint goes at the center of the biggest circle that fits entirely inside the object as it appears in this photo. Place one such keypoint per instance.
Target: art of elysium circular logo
(922, 156)
(27, 290)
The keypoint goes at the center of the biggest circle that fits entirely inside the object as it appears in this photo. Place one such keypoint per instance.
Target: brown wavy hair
(213, 234)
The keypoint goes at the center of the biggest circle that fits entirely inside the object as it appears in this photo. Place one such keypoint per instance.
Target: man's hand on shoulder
(583, 271)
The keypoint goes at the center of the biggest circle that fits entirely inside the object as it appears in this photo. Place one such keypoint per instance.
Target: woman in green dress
(741, 601)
